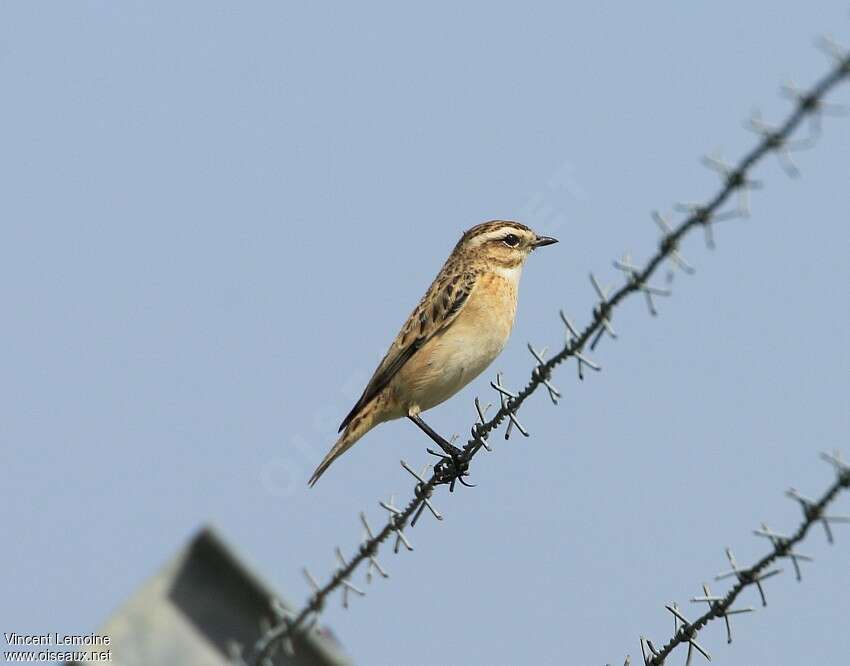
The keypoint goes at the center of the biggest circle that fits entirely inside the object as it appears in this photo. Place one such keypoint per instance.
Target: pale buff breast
(450, 360)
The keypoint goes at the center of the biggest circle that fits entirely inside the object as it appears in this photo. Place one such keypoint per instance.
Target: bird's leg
(450, 449)
(455, 463)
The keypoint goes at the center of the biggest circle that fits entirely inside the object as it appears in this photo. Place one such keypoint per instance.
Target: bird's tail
(365, 420)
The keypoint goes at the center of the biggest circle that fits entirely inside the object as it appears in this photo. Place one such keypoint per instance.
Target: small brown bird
(458, 328)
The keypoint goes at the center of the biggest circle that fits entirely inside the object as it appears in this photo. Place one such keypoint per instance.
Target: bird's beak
(544, 240)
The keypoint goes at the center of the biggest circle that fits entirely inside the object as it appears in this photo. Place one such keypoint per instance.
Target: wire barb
(369, 551)
(574, 343)
(687, 632)
(601, 312)
(347, 585)
(746, 576)
(812, 510)
(736, 179)
(782, 545)
(778, 142)
(395, 524)
(646, 644)
(842, 469)
(831, 48)
(702, 216)
(670, 244)
(423, 492)
(633, 273)
(482, 413)
(717, 606)
(507, 398)
(543, 372)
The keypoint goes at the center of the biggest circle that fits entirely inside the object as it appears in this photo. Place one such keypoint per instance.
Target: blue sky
(217, 215)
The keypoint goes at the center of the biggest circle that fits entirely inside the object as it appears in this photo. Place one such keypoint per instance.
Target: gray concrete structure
(201, 605)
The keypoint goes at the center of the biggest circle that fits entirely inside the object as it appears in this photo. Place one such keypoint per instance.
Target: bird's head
(501, 243)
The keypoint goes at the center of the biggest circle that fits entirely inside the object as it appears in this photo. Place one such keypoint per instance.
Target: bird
(458, 328)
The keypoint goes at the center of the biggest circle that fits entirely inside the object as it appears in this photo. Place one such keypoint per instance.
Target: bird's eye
(511, 240)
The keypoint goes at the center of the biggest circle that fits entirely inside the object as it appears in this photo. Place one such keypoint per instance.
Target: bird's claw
(453, 465)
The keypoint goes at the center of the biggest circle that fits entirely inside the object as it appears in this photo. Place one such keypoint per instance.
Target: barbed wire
(685, 631)
(454, 466)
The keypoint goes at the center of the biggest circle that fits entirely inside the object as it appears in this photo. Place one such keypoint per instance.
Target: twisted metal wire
(289, 625)
(685, 631)
(453, 468)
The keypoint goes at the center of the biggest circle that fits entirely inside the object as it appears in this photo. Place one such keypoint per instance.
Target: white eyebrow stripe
(494, 234)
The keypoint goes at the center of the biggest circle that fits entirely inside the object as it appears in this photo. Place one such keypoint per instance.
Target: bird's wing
(439, 307)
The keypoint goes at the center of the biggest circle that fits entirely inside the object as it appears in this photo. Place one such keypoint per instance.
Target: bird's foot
(454, 462)
(453, 466)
